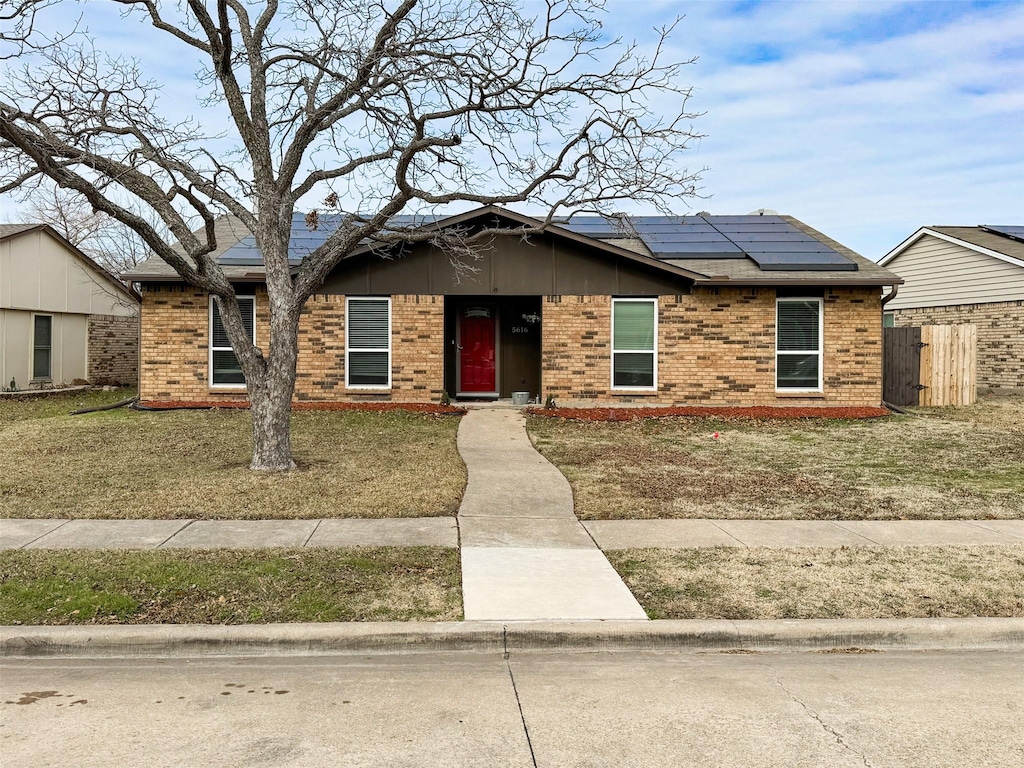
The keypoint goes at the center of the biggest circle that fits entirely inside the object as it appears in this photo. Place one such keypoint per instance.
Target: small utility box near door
(930, 365)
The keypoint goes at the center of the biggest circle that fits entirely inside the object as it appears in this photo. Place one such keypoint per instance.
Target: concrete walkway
(525, 556)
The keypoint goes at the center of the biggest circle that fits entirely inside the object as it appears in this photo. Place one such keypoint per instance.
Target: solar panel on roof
(716, 220)
(768, 237)
(1007, 230)
(724, 247)
(790, 261)
(754, 227)
(685, 237)
(789, 246)
(592, 226)
(771, 242)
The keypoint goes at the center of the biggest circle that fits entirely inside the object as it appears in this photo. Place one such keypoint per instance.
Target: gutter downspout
(891, 296)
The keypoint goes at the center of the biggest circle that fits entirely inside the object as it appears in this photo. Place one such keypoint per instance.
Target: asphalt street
(537, 708)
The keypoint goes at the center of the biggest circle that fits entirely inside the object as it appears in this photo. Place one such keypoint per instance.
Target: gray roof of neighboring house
(7, 230)
(985, 238)
(228, 231)
(737, 250)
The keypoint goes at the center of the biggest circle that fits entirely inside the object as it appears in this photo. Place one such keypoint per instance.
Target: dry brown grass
(859, 583)
(946, 464)
(230, 586)
(127, 464)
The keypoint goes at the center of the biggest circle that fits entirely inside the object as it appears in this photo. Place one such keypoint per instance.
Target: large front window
(634, 343)
(368, 347)
(798, 345)
(225, 370)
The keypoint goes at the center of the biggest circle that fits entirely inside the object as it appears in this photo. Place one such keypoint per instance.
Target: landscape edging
(150, 640)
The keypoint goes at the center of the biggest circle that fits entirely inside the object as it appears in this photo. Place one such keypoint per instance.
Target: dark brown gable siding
(544, 266)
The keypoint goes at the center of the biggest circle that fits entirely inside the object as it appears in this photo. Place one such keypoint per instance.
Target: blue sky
(864, 119)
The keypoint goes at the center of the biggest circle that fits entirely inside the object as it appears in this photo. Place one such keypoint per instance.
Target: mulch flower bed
(710, 411)
(429, 408)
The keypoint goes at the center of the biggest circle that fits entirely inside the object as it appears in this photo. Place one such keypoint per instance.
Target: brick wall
(113, 350)
(715, 346)
(417, 351)
(417, 348)
(175, 356)
(1000, 336)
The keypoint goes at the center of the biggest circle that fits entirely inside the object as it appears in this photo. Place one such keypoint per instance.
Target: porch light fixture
(532, 319)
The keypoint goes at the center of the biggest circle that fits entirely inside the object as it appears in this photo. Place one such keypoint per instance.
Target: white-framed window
(635, 344)
(225, 370)
(42, 347)
(888, 319)
(368, 342)
(798, 344)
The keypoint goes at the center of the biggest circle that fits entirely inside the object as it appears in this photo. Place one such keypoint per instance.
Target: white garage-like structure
(63, 318)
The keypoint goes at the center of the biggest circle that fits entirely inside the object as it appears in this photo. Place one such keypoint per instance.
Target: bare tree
(393, 104)
(99, 235)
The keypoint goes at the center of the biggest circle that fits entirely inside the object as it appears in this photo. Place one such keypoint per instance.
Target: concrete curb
(154, 640)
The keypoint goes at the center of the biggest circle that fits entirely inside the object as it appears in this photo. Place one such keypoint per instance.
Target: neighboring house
(959, 275)
(63, 318)
(748, 310)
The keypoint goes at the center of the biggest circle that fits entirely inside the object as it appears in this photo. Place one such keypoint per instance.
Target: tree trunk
(271, 424)
(270, 399)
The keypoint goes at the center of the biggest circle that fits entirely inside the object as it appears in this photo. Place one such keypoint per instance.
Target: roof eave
(809, 281)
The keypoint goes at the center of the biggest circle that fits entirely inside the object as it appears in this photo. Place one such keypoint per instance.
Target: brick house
(63, 317)
(748, 310)
(966, 275)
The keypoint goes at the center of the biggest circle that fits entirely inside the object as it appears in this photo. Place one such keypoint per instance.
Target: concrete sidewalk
(235, 534)
(525, 556)
(778, 534)
(503, 531)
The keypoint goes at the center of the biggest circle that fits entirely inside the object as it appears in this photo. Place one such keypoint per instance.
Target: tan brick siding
(716, 346)
(113, 349)
(1000, 336)
(175, 352)
(417, 348)
(417, 351)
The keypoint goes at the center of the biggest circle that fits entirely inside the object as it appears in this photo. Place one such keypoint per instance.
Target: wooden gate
(901, 367)
(930, 365)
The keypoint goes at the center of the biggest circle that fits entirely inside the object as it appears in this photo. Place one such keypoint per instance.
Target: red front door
(476, 349)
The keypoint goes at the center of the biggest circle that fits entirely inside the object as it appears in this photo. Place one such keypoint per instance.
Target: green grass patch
(811, 583)
(130, 464)
(230, 586)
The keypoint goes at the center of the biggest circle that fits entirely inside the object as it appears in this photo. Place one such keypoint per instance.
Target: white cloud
(864, 134)
(866, 119)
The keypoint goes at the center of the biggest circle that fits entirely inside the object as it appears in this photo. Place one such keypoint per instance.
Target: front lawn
(942, 464)
(230, 586)
(807, 583)
(193, 464)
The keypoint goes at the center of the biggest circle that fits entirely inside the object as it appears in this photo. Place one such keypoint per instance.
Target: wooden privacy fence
(930, 365)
